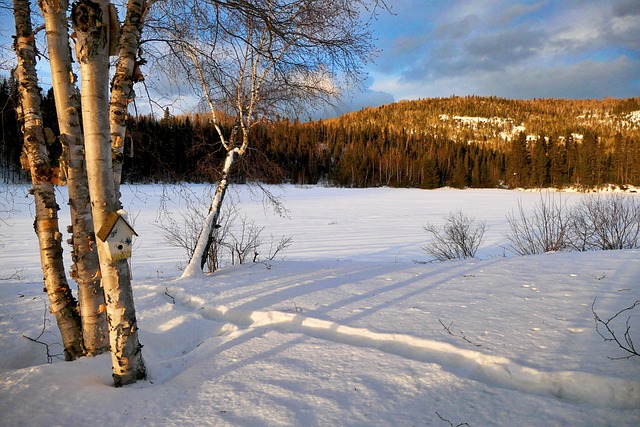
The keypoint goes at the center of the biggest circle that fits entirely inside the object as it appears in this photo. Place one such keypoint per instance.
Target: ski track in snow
(573, 386)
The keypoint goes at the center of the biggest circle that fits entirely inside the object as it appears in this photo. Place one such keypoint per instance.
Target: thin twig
(461, 335)
(36, 340)
(14, 276)
(166, 292)
(450, 423)
(625, 343)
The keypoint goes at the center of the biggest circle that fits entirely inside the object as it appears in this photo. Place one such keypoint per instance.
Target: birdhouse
(117, 236)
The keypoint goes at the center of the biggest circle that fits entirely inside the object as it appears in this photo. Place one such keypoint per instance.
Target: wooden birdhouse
(117, 236)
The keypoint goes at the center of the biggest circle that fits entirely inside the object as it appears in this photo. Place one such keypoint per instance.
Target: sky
(513, 49)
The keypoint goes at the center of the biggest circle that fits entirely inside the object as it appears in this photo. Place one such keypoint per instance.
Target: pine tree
(540, 165)
(518, 163)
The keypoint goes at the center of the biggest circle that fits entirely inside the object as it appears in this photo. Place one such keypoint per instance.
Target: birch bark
(199, 257)
(205, 239)
(91, 22)
(243, 100)
(62, 303)
(125, 76)
(86, 268)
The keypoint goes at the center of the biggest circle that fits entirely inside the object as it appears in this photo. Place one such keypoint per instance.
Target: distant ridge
(495, 119)
(469, 141)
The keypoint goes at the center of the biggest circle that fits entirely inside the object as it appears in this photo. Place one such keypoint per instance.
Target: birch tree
(92, 21)
(126, 74)
(253, 60)
(86, 269)
(62, 303)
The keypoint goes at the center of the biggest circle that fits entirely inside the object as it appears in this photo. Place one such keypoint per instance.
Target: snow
(347, 329)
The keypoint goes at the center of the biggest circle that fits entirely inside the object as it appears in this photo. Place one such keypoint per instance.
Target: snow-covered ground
(347, 330)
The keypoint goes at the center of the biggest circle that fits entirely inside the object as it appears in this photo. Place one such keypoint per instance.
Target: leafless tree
(36, 160)
(182, 222)
(252, 60)
(127, 73)
(93, 22)
(86, 267)
(236, 239)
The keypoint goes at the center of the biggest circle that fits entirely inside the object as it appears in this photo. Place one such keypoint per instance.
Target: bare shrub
(181, 224)
(544, 230)
(275, 247)
(245, 243)
(458, 238)
(232, 243)
(605, 222)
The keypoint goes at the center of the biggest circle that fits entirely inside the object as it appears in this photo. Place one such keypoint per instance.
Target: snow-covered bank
(347, 330)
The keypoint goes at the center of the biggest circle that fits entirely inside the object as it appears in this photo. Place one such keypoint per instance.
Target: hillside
(470, 142)
(491, 119)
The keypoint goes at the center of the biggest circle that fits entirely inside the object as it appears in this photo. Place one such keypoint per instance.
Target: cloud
(524, 49)
(585, 79)
(626, 8)
(516, 11)
(354, 102)
(458, 29)
(625, 31)
(501, 49)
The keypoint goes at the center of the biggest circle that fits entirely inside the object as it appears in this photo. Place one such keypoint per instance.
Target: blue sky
(514, 49)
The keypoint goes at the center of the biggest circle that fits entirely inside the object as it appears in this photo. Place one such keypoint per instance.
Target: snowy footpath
(359, 336)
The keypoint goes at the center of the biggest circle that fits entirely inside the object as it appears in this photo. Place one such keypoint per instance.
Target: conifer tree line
(421, 144)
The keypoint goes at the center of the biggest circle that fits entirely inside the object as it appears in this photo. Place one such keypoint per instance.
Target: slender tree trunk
(199, 257)
(127, 73)
(86, 268)
(90, 21)
(62, 303)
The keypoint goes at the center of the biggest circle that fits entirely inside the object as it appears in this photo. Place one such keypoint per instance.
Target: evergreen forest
(471, 141)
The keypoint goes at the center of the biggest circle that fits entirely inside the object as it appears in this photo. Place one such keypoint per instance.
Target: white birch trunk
(198, 259)
(125, 76)
(90, 21)
(62, 303)
(86, 269)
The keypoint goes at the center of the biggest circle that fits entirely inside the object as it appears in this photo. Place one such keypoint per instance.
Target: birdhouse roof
(111, 221)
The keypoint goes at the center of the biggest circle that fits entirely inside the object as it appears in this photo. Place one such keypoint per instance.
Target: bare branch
(609, 334)
(461, 335)
(450, 423)
(45, 323)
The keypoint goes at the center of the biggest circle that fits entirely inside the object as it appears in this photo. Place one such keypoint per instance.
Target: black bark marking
(86, 15)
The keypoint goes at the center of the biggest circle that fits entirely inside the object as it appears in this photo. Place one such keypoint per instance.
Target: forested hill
(428, 143)
(491, 119)
(470, 141)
